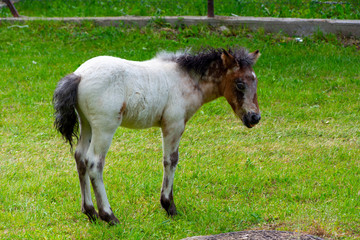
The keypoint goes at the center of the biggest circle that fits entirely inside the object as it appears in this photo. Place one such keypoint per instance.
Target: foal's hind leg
(171, 139)
(87, 205)
(100, 143)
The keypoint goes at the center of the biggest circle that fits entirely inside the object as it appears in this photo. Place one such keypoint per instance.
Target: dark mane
(201, 60)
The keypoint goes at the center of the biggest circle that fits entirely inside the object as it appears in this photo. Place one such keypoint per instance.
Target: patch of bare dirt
(257, 235)
(350, 41)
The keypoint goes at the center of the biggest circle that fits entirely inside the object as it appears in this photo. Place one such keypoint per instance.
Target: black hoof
(172, 210)
(169, 206)
(109, 218)
(90, 213)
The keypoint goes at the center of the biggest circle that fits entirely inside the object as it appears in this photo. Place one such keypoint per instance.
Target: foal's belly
(143, 110)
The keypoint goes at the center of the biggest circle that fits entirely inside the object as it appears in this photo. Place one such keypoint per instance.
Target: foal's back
(133, 93)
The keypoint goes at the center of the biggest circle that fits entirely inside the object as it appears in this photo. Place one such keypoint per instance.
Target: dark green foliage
(256, 8)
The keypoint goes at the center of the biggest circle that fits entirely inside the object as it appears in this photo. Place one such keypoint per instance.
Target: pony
(107, 92)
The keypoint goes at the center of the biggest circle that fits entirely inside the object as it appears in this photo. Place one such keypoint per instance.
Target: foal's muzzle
(251, 119)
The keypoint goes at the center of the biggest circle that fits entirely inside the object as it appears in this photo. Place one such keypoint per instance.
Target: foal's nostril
(251, 119)
(255, 118)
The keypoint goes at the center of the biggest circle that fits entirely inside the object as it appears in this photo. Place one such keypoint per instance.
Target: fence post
(211, 8)
(12, 8)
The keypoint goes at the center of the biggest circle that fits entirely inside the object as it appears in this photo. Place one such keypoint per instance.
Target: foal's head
(234, 77)
(239, 84)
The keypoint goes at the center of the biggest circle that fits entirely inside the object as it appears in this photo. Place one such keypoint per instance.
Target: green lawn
(258, 8)
(298, 170)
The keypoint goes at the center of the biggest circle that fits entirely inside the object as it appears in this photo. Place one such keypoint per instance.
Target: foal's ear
(227, 59)
(255, 56)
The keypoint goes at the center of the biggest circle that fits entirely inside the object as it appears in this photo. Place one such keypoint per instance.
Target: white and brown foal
(107, 92)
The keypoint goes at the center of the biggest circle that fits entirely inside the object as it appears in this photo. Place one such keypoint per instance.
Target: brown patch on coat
(165, 163)
(101, 163)
(81, 165)
(215, 72)
(174, 158)
(122, 110)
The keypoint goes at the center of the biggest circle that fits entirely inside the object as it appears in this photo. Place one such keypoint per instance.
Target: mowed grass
(298, 170)
(257, 8)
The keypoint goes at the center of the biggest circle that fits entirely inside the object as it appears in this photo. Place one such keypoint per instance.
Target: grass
(297, 171)
(258, 8)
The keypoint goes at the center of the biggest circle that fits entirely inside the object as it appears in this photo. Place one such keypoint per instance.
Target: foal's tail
(64, 100)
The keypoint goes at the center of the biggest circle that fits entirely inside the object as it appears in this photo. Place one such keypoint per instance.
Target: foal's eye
(240, 86)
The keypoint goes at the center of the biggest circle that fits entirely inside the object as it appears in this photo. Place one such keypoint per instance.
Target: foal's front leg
(171, 139)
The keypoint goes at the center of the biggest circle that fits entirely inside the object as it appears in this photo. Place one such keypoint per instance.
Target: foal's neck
(209, 83)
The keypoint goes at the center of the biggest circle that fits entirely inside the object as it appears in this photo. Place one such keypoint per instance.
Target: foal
(107, 92)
